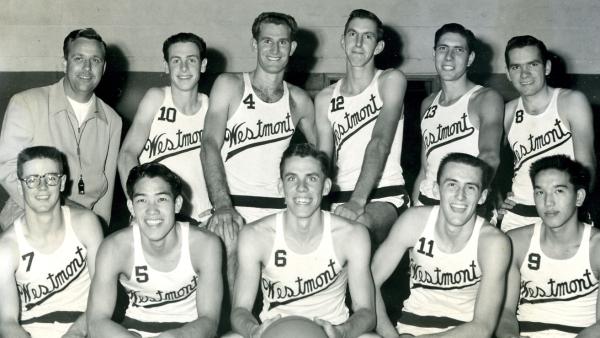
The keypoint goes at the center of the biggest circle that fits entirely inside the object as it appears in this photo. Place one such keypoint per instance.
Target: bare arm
(138, 133)
(9, 311)
(206, 257)
(303, 109)
(493, 256)
(488, 106)
(594, 330)
(421, 175)
(402, 236)
(392, 86)
(103, 291)
(104, 205)
(324, 130)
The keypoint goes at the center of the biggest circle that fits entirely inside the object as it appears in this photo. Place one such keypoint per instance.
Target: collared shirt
(43, 116)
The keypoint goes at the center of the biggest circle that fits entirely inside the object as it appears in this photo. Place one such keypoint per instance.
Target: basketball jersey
(160, 301)
(352, 119)
(532, 137)
(445, 130)
(443, 286)
(53, 288)
(175, 141)
(558, 296)
(311, 285)
(256, 136)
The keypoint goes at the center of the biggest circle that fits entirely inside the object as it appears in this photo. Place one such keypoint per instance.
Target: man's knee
(369, 335)
(233, 335)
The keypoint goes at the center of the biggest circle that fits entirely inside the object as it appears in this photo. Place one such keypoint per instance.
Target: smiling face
(452, 56)
(303, 185)
(184, 65)
(360, 41)
(44, 197)
(460, 190)
(153, 207)
(273, 47)
(526, 70)
(84, 67)
(556, 199)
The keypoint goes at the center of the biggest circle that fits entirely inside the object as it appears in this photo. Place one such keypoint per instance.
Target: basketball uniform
(160, 301)
(532, 137)
(445, 130)
(53, 288)
(558, 296)
(256, 136)
(443, 286)
(352, 119)
(175, 141)
(312, 285)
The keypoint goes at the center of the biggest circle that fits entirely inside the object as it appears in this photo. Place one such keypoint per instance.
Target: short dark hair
(305, 150)
(470, 160)
(184, 37)
(88, 33)
(578, 174)
(524, 41)
(275, 18)
(39, 152)
(151, 170)
(458, 29)
(365, 14)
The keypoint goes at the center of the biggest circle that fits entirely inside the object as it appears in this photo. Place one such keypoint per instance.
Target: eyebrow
(135, 194)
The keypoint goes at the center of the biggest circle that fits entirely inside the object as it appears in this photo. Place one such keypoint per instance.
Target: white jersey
(443, 286)
(175, 140)
(352, 119)
(532, 137)
(256, 136)
(53, 287)
(445, 130)
(159, 301)
(311, 285)
(558, 296)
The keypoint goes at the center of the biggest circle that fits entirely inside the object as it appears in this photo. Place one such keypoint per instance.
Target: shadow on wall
(303, 60)
(481, 68)
(391, 56)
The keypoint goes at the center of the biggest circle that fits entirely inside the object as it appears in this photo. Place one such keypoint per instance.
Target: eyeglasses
(33, 181)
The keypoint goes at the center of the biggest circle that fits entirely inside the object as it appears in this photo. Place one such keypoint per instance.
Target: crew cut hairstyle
(151, 170)
(459, 29)
(184, 37)
(470, 160)
(275, 18)
(578, 174)
(88, 33)
(39, 152)
(524, 41)
(305, 150)
(365, 14)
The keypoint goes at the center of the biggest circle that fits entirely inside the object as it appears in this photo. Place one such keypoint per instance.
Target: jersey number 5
(140, 274)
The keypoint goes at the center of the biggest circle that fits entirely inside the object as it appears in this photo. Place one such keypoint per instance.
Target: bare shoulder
(347, 230)
(201, 239)
(325, 94)
(118, 244)
(572, 103)
(298, 96)
(392, 76)
(228, 83)
(493, 240)
(84, 220)
(485, 96)
(566, 96)
(594, 250)
(9, 249)
(427, 102)
(260, 231)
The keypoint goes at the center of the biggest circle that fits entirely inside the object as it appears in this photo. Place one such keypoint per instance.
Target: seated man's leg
(231, 335)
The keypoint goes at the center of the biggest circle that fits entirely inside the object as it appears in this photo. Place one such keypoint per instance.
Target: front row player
(556, 261)
(457, 260)
(49, 252)
(303, 258)
(170, 270)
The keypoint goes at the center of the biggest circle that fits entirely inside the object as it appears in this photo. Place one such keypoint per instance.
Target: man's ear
(327, 186)
(483, 197)
(548, 67)
(379, 47)
(293, 47)
(280, 187)
(254, 44)
(471, 58)
(63, 182)
(130, 207)
(166, 67)
(178, 203)
(581, 194)
(436, 191)
(203, 65)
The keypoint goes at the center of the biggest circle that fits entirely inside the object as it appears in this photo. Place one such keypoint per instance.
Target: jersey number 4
(249, 102)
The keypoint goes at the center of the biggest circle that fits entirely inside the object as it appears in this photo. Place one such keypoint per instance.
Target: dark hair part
(275, 18)
(458, 29)
(365, 14)
(39, 152)
(88, 33)
(151, 170)
(305, 150)
(524, 41)
(184, 37)
(579, 175)
(470, 160)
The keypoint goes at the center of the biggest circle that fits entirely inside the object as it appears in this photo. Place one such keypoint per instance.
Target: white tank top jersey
(532, 137)
(443, 286)
(352, 119)
(558, 296)
(311, 285)
(445, 130)
(175, 140)
(255, 138)
(53, 288)
(159, 301)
